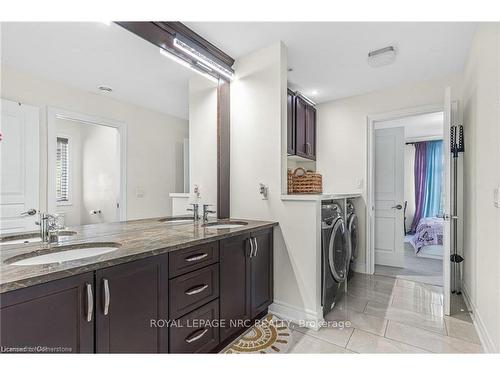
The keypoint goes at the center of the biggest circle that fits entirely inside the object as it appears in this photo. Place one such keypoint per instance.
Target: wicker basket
(306, 183)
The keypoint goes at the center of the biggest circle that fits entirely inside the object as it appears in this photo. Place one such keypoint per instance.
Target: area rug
(268, 335)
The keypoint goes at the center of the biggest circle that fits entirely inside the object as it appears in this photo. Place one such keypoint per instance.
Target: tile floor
(416, 268)
(391, 315)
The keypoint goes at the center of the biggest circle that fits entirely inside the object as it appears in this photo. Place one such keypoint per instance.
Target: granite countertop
(138, 238)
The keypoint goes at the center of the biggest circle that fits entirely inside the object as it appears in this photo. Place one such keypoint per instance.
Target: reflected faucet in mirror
(49, 227)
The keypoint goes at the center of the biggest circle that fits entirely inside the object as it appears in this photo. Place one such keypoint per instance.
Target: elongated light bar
(202, 58)
(186, 64)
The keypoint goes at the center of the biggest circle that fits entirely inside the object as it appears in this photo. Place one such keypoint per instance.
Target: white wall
(94, 172)
(100, 174)
(481, 98)
(258, 155)
(203, 139)
(154, 145)
(342, 134)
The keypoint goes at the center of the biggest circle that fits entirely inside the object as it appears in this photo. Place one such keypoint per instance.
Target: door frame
(54, 113)
(370, 174)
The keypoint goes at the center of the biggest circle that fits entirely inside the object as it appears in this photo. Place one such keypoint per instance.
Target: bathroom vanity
(168, 288)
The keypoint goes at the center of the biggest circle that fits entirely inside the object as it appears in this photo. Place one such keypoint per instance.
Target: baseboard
(486, 341)
(303, 317)
(359, 267)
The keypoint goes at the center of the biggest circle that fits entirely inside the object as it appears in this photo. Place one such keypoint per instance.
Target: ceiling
(87, 55)
(330, 57)
(429, 125)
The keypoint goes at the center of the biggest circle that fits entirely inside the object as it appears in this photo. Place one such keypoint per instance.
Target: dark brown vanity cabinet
(301, 127)
(246, 279)
(261, 272)
(234, 284)
(55, 317)
(129, 308)
(128, 298)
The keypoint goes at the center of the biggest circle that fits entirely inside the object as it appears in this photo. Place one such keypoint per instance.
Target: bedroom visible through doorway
(409, 169)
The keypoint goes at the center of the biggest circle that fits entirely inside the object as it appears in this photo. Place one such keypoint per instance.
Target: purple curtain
(420, 172)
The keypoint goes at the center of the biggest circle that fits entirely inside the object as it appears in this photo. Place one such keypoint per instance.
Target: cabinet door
(310, 132)
(261, 266)
(234, 284)
(129, 296)
(300, 127)
(290, 120)
(57, 316)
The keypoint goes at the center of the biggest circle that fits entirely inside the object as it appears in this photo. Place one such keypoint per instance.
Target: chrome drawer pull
(90, 302)
(200, 289)
(197, 337)
(106, 296)
(194, 258)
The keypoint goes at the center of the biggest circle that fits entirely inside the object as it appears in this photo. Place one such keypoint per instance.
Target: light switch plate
(139, 192)
(496, 197)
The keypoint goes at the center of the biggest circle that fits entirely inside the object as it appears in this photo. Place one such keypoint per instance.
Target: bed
(428, 238)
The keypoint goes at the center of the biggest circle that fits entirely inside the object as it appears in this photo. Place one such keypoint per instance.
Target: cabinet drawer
(190, 291)
(193, 258)
(196, 332)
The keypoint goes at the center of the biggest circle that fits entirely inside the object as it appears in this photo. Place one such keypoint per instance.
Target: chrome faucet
(206, 211)
(195, 209)
(49, 227)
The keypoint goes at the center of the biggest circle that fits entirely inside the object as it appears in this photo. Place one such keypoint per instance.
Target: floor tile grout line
(324, 340)
(391, 339)
(350, 336)
(406, 323)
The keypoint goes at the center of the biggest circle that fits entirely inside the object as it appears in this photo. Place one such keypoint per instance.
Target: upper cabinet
(301, 127)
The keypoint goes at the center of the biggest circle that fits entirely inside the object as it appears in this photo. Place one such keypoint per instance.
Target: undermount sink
(62, 254)
(17, 239)
(176, 220)
(225, 225)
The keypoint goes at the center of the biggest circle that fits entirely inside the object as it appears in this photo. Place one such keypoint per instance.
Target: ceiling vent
(381, 57)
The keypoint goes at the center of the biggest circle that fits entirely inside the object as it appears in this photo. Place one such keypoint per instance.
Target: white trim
(370, 193)
(302, 317)
(486, 341)
(54, 113)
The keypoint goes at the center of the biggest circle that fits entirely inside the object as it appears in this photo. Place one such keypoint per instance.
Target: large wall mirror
(98, 125)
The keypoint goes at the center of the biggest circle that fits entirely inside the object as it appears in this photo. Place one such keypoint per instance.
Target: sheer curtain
(428, 181)
(434, 180)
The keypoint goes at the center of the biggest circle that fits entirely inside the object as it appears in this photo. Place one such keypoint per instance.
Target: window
(62, 170)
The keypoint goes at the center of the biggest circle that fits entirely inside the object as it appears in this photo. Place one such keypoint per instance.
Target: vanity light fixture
(206, 61)
(381, 57)
(186, 64)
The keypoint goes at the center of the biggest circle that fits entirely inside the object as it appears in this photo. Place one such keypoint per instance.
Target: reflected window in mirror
(62, 171)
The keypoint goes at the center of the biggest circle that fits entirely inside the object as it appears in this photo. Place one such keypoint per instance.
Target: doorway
(86, 166)
(409, 197)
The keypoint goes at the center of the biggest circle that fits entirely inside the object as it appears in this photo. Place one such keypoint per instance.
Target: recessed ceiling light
(105, 89)
(314, 92)
(381, 57)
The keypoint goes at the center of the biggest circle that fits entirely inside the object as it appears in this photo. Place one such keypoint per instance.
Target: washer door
(337, 252)
(352, 227)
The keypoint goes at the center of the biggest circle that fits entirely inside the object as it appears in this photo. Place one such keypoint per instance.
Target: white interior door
(447, 206)
(19, 158)
(389, 196)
